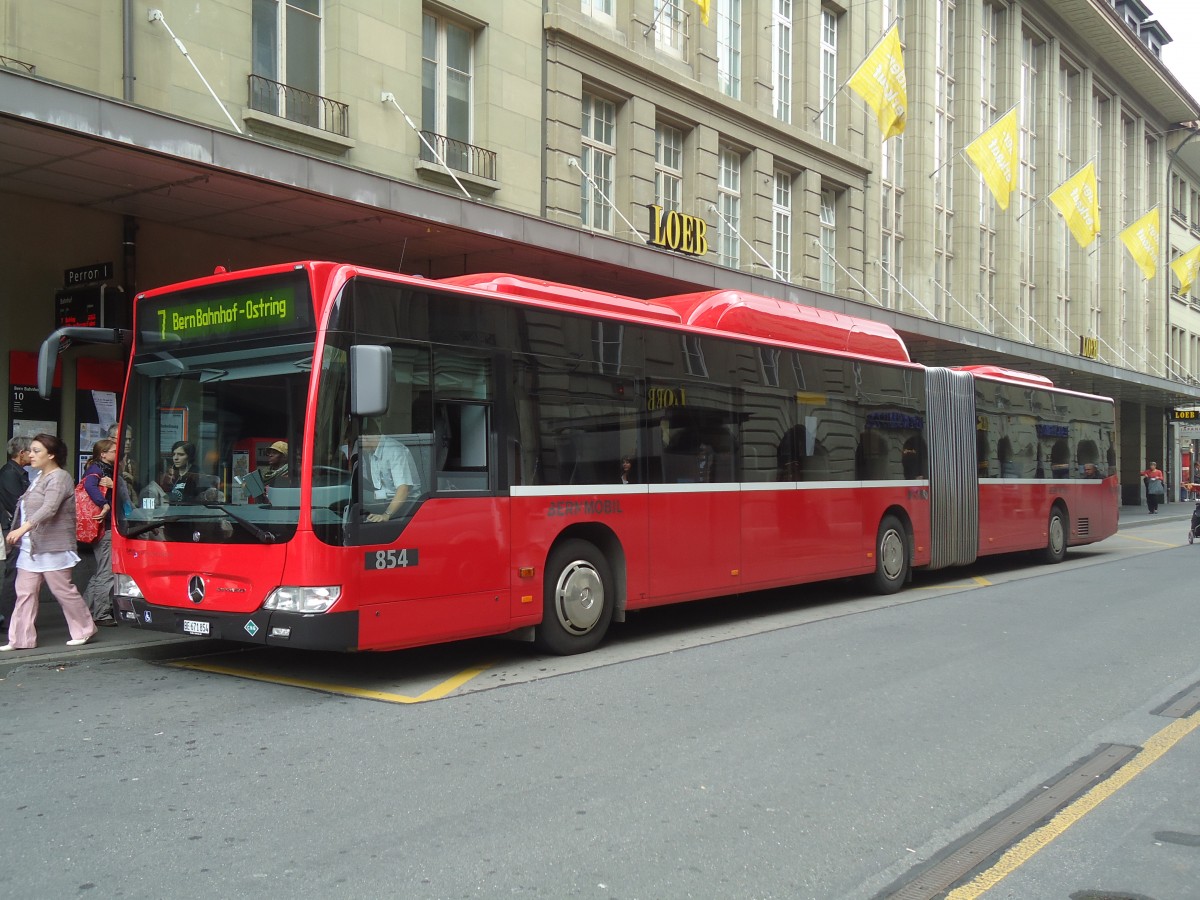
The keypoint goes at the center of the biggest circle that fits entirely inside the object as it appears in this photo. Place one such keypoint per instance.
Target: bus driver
(389, 473)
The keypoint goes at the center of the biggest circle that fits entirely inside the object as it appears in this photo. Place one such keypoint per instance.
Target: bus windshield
(211, 449)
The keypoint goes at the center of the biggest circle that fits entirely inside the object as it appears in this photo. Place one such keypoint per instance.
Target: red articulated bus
(493, 454)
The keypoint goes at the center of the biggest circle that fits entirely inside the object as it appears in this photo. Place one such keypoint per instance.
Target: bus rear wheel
(1055, 550)
(891, 556)
(577, 599)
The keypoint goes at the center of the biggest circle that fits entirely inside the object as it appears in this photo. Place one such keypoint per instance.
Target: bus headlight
(302, 599)
(124, 586)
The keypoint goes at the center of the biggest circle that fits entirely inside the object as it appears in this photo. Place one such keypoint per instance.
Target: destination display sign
(236, 310)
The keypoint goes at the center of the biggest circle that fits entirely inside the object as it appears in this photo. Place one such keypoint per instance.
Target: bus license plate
(191, 626)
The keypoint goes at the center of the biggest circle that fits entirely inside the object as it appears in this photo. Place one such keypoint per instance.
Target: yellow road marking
(978, 579)
(436, 692)
(1149, 541)
(1024, 850)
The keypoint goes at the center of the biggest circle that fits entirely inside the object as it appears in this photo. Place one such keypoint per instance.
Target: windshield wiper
(150, 526)
(261, 533)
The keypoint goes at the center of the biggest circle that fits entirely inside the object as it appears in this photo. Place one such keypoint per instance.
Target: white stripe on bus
(590, 490)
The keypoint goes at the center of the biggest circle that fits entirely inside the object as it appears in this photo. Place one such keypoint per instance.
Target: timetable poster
(29, 413)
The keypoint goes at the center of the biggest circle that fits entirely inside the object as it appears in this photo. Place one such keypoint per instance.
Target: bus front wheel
(1055, 550)
(891, 556)
(577, 599)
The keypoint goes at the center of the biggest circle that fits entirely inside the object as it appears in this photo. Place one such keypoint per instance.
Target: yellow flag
(1185, 268)
(703, 4)
(1077, 201)
(1141, 239)
(995, 153)
(881, 83)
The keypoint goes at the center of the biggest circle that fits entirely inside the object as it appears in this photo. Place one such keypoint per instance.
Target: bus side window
(1060, 459)
(462, 451)
(870, 458)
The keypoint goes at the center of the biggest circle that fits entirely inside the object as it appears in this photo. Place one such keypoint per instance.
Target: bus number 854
(392, 559)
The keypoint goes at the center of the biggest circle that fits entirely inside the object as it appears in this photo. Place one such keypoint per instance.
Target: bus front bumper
(324, 631)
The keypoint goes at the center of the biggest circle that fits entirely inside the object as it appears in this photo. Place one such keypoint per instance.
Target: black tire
(1057, 529)
(577, 599)
(892, 557)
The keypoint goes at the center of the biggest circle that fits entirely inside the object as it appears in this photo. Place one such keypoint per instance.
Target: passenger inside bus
(181, 480)
(275, 473)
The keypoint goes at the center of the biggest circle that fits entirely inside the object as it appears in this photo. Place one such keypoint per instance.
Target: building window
(782, 225)
(781, 54)
(668, 168)
(1031, 66)
(1175, 291)
(768, 358)
(829, 72)
(670, 27)
(1129, 186)
(828, 242)
(891, 175)
(1068, 96)
(729, 203)
(892, 222)
(599, 9)
(446, 87)
(609, 341)
(943, 160)
(693, 356)
(988, 60)
(1101, 110)
(729, 47)
(286, 48)
(599, 155)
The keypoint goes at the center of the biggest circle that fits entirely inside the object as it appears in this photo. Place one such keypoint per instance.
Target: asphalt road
(817, 744)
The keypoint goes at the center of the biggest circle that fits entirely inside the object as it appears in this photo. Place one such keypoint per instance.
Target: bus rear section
(1046, 460)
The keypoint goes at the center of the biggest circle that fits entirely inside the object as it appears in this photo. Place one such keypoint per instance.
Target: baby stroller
(1194, 530)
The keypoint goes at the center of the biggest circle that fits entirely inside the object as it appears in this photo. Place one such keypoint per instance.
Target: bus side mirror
(370, 377)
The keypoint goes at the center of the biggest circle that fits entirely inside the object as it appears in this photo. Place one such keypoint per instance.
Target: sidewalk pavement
(127, 640)
(120, 642)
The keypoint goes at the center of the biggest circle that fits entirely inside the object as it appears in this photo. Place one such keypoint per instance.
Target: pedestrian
(1156, 490)
(14, 481)
(98, 482)
(45, 538)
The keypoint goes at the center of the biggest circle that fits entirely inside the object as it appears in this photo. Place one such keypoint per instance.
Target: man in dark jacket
(13, 482)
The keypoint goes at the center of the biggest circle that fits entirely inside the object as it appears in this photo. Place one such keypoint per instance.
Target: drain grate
(1003, 831)
(1182, 704)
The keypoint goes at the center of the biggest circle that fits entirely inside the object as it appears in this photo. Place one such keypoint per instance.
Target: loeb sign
(678, 231)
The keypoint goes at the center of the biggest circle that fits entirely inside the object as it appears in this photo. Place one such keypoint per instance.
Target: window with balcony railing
(299, 106)
(458, 155)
